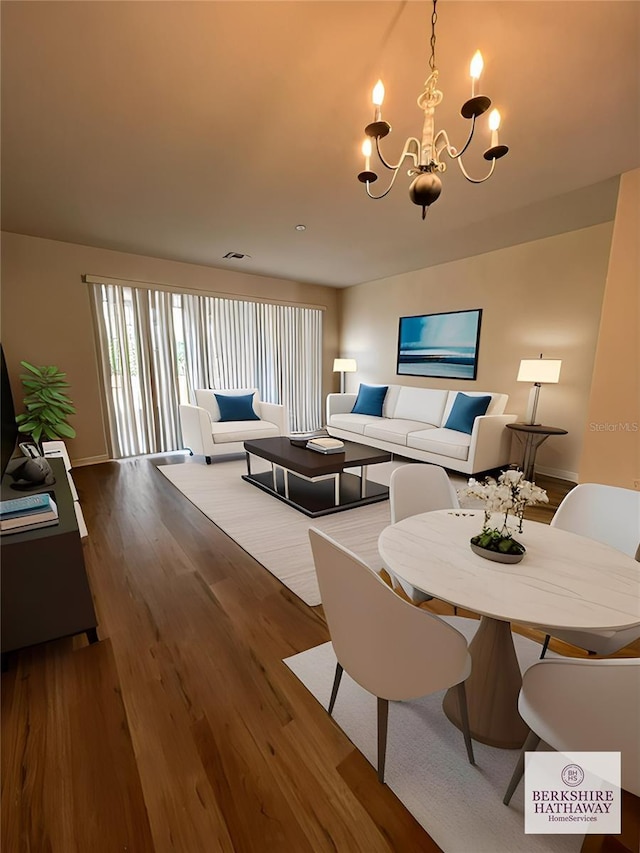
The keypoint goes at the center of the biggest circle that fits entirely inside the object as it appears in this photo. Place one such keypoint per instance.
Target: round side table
(531, 437)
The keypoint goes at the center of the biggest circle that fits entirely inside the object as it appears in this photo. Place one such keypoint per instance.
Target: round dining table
(564, 581)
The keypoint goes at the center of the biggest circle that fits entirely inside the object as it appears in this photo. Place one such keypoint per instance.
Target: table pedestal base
(492, 688)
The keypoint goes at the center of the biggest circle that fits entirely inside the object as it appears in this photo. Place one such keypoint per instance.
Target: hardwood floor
(182, 730)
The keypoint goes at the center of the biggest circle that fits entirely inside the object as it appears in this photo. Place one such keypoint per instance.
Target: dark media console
(45, 590)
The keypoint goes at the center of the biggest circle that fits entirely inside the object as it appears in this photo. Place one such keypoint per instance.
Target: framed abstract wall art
(443, 345)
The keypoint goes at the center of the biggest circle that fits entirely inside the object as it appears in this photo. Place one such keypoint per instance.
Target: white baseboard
(90, 460)
(559, 473)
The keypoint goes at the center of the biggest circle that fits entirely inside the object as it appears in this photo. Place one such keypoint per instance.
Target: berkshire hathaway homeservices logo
(572, 775)
(576, 792)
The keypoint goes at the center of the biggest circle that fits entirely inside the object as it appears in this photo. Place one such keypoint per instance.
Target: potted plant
(510, 494)
(47, 404)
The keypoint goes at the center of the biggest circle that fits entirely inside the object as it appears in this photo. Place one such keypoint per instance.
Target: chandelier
(426, 185)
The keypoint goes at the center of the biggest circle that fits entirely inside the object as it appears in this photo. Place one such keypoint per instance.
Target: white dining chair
(389, 647)
(583, 706)
(414, 489)
(611, 515)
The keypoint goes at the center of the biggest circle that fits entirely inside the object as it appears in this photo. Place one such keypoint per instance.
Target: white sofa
(204, 434)
(412, 425)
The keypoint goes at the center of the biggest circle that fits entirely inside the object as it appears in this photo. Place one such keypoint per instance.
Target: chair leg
(545, 646)
(334, 689)
(383, 721)
(530, 745)
(464, 719)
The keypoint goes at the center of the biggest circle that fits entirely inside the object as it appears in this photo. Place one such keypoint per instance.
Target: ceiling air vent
(236, 256)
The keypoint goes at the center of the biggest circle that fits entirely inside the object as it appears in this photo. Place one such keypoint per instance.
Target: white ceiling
(186, 130)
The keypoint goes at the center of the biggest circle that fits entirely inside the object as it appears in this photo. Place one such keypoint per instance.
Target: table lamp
(539, 371)
(342, 366)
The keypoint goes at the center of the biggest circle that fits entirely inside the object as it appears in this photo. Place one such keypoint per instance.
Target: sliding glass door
(156, 347)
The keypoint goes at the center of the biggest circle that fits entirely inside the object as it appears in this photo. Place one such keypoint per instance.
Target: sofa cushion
(446, 442)
(390, 401)
(464, 412)
(420, 404)
(224, 432)
(236, 407)
(393, 429)
(370, 400)
(351, 422)
(206, 399)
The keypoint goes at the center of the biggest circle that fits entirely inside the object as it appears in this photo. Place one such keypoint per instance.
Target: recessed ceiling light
(301, 227)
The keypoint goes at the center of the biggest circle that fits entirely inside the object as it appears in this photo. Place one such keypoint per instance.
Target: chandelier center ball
(425, 189)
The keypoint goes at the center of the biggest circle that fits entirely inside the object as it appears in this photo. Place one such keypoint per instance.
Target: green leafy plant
(47, 404)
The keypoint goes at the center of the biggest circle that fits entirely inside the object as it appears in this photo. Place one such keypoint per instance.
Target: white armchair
(416, 654)
(205, 434)
(414, 489)
(608, 514)
(580, 706)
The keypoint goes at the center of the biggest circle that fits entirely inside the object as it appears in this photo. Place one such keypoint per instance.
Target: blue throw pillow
(464, 411)
(370, 400)
(236, 407)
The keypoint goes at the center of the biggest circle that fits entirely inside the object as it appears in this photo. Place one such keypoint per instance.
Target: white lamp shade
(344, 365)
(539, 370)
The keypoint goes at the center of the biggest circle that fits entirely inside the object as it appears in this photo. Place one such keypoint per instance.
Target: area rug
(460, 806)
(272, 532)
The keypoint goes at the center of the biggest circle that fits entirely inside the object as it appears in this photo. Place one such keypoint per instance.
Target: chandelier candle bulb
(366, 150)
(378, 98)
(475, 69)
(494, 124)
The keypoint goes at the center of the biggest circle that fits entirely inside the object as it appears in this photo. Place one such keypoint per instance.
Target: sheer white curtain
(139, 368)
(230, 343)
(156, 347)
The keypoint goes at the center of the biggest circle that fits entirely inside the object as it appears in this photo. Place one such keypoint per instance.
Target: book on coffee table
(300, 439)
(326, 445)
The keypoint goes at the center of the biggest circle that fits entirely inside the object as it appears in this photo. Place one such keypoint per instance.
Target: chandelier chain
(434, 18)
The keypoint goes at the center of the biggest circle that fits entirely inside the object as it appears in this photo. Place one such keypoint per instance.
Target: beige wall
(611, 452)
(544, 296)
(46, 317)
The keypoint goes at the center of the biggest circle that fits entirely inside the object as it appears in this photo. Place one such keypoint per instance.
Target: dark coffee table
(315, 483)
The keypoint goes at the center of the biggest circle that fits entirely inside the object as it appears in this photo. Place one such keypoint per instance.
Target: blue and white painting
(444, 345)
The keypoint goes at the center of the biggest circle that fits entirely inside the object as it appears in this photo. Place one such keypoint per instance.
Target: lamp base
(533, 405)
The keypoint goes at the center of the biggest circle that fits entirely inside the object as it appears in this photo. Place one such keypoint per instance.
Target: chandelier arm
(388, 189)
(451, 151)
(477, 180)
(405, 153)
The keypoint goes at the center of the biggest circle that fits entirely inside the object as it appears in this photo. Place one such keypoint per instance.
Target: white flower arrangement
(509, 494)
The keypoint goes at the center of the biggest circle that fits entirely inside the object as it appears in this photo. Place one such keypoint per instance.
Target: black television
(8, 416)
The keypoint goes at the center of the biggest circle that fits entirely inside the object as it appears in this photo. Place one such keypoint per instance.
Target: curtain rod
(176, 288)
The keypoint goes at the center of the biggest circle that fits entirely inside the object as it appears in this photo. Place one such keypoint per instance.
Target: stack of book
(326, 445)
(27, 513)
